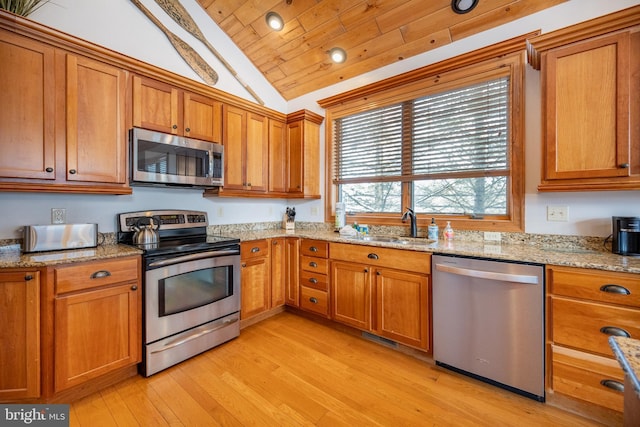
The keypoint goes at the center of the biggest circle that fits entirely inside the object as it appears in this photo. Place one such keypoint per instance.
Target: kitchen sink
(393, 239)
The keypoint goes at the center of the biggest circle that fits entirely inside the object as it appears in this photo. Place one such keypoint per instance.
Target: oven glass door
(194, 289)
(186, 294)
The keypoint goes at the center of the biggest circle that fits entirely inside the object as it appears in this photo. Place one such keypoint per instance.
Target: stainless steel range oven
(191, 286)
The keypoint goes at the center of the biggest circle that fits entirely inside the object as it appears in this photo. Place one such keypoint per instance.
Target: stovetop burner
(180, 231)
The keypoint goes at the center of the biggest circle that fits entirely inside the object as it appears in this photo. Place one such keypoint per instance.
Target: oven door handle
(181, 341)
(192, 257)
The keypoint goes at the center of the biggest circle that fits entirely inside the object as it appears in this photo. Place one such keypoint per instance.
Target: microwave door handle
(192, 257)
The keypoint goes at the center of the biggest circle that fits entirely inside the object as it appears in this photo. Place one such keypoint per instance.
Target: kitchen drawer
(254, 249)
(316, 248)
(314, 264)
(382, 257)
(314, 280)
(578, 323)
(314, 300)
(597, 285)
(583, 376)
(93, 274)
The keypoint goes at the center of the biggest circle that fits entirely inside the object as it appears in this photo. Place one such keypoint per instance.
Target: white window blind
(369, 144)
(464, 130)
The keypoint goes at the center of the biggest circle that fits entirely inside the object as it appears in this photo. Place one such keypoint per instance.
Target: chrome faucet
(412, 217)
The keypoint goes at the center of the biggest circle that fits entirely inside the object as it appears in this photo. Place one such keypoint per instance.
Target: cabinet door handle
(254, 250)
(72, 171)
(275, 242)
(378, 273)
(615, 289)
(244, 265)
(313, 300)
(366, 270)
(313, 249)
(49, 170)
(313, 264)
(28, 277)
(372, 256)
(187, 130)
(134, 288)
(624, 166)
(313, 280)
(615, 331)
(175, 126)
(100, 274)
(613, 385)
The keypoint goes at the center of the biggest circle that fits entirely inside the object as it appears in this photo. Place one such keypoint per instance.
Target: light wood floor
(288, 370)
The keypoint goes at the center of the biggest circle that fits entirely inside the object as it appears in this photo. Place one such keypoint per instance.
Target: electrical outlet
(557, 213)
(492, 235)
(220, 212)
(314, 211)
(58, 216)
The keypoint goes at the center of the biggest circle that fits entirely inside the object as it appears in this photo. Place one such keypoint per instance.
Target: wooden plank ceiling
(374, 33)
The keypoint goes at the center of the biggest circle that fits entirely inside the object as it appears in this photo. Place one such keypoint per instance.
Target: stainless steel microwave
(169, 160)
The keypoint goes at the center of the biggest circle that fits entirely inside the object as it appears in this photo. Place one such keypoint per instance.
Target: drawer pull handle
(615, 289)
(313, 280)
(28, 277)
(614, 331)
(313, 264)
(100, 274)
(613, 385)
(134, 288)
(372, 256)
(254, 250)
(313, 249)
(313, 300)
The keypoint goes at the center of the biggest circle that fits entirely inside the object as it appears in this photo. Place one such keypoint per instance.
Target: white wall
(119, 25)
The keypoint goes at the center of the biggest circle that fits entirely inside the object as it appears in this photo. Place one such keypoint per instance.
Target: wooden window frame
(505, 58)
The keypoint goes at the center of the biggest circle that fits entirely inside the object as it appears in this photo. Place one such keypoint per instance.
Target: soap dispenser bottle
(448, 231)
(432, 230)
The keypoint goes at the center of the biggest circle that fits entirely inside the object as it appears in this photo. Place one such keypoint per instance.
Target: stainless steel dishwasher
(488, 321)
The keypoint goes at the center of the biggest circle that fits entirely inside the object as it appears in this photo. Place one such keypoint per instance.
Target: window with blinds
(450, 147)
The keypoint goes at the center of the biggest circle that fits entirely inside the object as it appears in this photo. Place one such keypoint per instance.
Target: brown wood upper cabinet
(303, 154)
(165, 108)
(246, 151)
(56, 136)
(590, 104)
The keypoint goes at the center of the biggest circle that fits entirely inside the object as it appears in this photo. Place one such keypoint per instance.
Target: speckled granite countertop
(541, 254)
(11, 257)
(537, 252)
(627, 351)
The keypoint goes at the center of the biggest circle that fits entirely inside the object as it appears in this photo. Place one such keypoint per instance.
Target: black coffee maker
(626, 235)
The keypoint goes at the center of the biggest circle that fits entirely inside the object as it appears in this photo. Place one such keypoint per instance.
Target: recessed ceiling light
(463, 6)
(338, 55)
(274, 21)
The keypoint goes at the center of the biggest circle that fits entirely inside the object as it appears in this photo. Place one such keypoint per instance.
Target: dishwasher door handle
(489, 275)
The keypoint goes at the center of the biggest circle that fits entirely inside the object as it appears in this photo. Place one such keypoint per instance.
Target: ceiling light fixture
(463, 6)
(274, 21)
(338, 55)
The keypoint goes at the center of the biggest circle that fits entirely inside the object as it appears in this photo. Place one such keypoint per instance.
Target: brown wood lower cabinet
(255, 294)
(314, 282)
(585, 307)
(381, 290)
(97, 308)
(19, 335)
